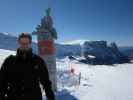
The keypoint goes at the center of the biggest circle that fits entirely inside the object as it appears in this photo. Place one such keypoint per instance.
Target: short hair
(25, 35)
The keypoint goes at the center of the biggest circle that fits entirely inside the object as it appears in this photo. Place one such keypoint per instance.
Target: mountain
(128, 51)
(101, 48)
(63, 50)
(74, 42)
(8, 42)
(102, 52)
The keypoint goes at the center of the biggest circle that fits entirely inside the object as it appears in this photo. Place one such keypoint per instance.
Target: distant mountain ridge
(9, 42)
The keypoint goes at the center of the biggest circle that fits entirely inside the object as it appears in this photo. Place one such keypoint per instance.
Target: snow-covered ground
(4, 54)
(100, 82)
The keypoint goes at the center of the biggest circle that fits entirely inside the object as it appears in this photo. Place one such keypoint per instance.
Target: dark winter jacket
(21, 75)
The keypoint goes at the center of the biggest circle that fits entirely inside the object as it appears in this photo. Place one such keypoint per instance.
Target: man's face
(24, 43)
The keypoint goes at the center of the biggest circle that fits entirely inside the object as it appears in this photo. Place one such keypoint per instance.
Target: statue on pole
(46, 34)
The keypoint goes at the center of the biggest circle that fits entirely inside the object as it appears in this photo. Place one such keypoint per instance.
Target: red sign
(45, 47)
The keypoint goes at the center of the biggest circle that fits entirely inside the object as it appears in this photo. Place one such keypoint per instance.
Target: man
(21, 75)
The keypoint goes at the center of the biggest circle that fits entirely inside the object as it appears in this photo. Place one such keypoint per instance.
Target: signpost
(46, 34)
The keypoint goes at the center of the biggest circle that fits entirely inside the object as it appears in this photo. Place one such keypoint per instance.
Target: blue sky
(110, 20)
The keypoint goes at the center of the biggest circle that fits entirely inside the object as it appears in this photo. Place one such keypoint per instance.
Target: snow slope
(97, 82)
(102, 82)
(4, 54)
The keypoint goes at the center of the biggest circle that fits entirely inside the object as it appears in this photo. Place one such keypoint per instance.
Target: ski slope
(100, 82)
